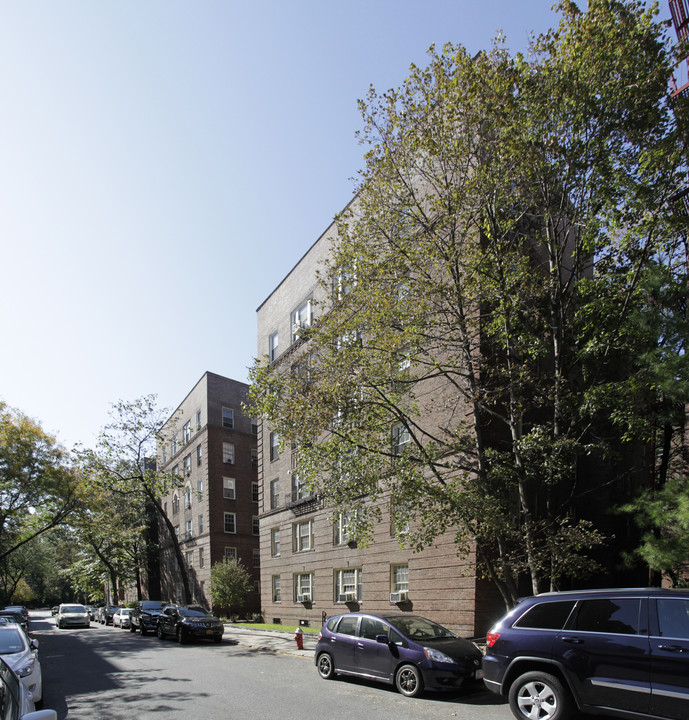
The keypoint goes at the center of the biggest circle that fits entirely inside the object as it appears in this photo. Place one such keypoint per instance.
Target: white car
(121, 618)
(17, 703)
(20, 653)
(69, 615)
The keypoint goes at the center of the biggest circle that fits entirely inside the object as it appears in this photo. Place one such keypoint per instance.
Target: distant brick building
(309, 568)
(211, 445)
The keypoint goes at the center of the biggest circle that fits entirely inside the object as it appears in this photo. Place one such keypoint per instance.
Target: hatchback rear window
(546, 616)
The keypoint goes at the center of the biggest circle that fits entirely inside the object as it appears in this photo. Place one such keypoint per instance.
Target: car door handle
(572, 640)
(672, 648)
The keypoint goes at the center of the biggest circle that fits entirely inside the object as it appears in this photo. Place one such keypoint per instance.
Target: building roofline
(313, 244)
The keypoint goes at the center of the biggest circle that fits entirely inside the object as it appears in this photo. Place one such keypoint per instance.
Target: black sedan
(187, 622)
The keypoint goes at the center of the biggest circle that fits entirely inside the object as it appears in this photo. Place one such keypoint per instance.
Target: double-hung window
(348, 585)
(301, 318)
(302, 536)
(230, 522)
(273, 343)
(228, 453)
(275, 542)
(229, 487)
(303, 587)
(228, 418)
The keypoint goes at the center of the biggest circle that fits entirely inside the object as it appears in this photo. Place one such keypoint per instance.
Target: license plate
(209, 632)
(478, 675)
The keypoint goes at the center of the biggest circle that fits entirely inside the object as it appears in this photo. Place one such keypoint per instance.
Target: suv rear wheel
(538, 695)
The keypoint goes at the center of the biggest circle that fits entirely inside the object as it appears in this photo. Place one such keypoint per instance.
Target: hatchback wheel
(408, 680)
(142, 629)
(326, 667)
(539, 696)
(160, 632)
(181, 639)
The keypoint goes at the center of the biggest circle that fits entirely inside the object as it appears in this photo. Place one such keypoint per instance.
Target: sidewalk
(274, 640)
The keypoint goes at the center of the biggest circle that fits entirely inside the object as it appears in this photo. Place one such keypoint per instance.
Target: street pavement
(279, 641)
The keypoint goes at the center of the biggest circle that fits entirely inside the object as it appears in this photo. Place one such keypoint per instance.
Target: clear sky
(165, 163)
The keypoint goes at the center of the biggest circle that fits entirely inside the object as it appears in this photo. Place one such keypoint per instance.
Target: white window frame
(273, 346)
(274, 494)
(228, 418)
(347, 581)
(274, 446)
(302, 536)
(228, 453)
(275, 542)
(233, 517)
(276, 590)
(229, 488)
(301, 317)
(230, 553)
(186, 432)
(303, 584)
(399, 577)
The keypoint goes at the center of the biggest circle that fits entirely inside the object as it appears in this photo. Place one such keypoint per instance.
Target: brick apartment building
(309, 568)
(211, 444)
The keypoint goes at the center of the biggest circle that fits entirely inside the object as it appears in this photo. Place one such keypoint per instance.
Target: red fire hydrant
(299, 637)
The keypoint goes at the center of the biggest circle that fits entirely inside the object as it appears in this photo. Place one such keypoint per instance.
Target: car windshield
(72, 609)
(418, 628)
(149, 605)
(11, 641)
(193, 612)
(124, 611)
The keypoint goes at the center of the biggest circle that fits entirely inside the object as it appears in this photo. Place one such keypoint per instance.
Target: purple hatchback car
(409, 651)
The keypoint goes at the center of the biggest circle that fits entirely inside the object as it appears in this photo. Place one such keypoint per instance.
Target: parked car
(72, 615)
(189, 622)
(121, 618)
(409, 651)
(622, 652)
(144, 616)
(108, 614)
(20, 653)
(16, 703)
(54, 609)
(17, 615)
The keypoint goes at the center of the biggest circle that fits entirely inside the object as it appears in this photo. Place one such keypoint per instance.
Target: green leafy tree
(230, 584)
(38, 485)
(469, 363)
(123, 466)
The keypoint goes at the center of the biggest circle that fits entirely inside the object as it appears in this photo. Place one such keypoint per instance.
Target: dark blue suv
(618, 652)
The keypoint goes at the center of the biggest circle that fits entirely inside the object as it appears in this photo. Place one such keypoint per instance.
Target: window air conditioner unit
(346, 597)
(306, 597)
(397, 597)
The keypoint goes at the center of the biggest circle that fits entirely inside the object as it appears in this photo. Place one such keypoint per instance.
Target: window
(254, 492)
(186, 463)
(348, 585)
(343, 281)
(254, 525)
(275, 584)
(189, 557)
(188, 529)
(186, 432)
(303, 587)
(400, 439)
(229, 488)
(341, 527)
(274, 494)
(254, 426)
(299, 488)
(200, 524)
(199, 488)
(620, 616)
(230, 522)
(202, 557)
(199, 455)
(274, 446)
(177, 531)
(673, 618)
(257, 558)
(546, 616)
(301, 319)
(399, 578)
(187, 496)
(164, 455)
(228, 453)
(275, 542)
(348, 625)
(302, 536)
(198, 419)
(230, 553)
(173, 446)
(228, 418)
(175, 504)
(254, 458)
(175, 471)
(273, 342)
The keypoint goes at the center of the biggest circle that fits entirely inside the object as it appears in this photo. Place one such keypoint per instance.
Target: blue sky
(164, 164)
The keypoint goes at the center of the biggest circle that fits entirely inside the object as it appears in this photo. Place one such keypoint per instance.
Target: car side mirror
(382, 639)
(34, 644)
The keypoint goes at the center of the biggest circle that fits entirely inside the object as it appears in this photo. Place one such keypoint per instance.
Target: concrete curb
(273, 640)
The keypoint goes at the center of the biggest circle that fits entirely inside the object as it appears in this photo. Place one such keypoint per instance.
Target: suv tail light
(492, 638)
